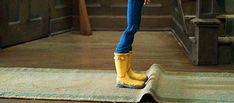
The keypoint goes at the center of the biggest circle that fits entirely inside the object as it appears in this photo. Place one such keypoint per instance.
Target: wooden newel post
(205, 49)
(85, 26)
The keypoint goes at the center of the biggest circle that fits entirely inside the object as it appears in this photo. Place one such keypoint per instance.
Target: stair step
(122, 10)
(119, 22)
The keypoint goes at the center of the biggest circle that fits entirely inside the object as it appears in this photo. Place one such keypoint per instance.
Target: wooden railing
(200, 42)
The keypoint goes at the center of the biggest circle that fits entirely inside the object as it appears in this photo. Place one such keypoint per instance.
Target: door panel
(34, 10)
(60, 16)
(13, 8)
(26, 20)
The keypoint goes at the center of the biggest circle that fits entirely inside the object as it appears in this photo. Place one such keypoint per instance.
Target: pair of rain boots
(126, 77)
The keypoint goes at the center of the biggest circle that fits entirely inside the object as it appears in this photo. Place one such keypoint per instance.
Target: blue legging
(134, 20)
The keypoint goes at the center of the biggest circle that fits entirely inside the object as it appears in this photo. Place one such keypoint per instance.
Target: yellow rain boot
(123, 80)
(134, 75)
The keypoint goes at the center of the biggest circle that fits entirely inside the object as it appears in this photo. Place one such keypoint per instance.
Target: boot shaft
(121, 63)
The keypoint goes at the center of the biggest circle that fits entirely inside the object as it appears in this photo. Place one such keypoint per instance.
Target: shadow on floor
(147, 99)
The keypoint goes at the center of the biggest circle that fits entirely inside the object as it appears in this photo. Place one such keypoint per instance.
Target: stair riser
(123, 11)
(119, 22)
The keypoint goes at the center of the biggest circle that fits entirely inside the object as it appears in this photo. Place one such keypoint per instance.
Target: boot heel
(120, 86)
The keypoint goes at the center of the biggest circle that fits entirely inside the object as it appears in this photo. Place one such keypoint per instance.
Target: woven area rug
(99, 85)
(59, 84)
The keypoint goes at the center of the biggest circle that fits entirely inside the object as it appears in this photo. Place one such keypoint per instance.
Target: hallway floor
(74, 51)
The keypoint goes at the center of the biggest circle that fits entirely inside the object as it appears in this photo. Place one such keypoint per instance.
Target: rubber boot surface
(123, 80)
(134, 75)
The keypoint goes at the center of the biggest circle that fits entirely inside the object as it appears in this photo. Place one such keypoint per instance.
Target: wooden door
(60, 16)
(24, 20)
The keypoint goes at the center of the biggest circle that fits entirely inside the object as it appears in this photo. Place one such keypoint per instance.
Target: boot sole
(128, 86)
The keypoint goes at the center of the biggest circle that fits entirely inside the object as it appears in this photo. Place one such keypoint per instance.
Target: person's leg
(134, 20)
(125, 45)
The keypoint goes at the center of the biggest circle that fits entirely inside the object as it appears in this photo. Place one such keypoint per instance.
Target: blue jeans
(134, 20)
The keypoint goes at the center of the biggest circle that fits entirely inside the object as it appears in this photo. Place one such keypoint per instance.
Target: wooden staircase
(111, 15)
